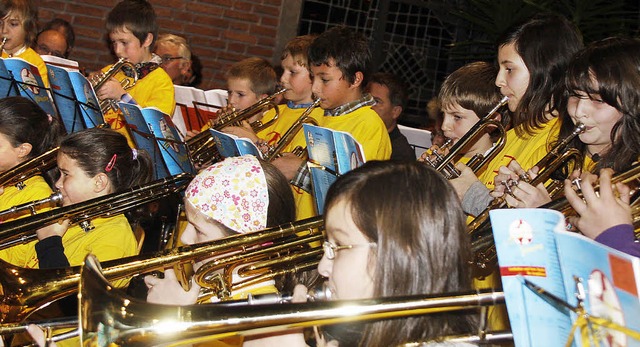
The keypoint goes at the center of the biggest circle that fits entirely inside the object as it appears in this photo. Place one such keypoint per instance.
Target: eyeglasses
(330, 249)
(168, 58)
(43, 49)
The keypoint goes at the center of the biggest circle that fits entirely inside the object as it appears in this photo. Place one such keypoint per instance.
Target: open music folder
(571, 272)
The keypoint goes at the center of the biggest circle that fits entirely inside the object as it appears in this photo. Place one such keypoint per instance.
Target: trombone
(202, 147)
(444, 164)
(108, 317)
(27, 169)
(32, 206)
(480, 228)
(24, 230)
(26, 290)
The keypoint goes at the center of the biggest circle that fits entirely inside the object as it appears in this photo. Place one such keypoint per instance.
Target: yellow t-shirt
(34, 59)
(36, 188)
(154, 90)
(305, 205)
(526, 150)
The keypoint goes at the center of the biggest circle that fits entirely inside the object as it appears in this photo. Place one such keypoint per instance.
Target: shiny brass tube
(118, 319)
(25, 290)
(293, 130)
(32, 206)
(27, 169)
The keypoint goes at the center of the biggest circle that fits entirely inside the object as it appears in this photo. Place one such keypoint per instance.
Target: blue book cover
(65, 98)
(154, 132)
(7, 85)
(29, 83)
(87, 100)
(232, 146)
(331, 154)
(532, 244)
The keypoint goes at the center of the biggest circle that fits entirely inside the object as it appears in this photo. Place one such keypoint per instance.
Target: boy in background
(132, 31)
(339, 60)
(296, 79)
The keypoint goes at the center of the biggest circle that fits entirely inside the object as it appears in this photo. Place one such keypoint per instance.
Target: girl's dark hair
(282, 208)
(94, 149)
(425, 251)
(23, 121)
(607, 70)
(545, 43)
(136, 15)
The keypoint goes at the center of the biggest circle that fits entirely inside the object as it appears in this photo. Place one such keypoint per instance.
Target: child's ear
(23, 150)
(148, 40)
(357, 80)
(100, 182)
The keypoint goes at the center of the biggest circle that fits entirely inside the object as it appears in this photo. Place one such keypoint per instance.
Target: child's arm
(50, 250)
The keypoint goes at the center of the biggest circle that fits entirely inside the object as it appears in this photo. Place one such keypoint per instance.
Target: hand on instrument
(55, 229)
(38, 336)
(111, 89)
(288, 164)
(519, 193)
(598, 212)
(169, 291)
(462, 183)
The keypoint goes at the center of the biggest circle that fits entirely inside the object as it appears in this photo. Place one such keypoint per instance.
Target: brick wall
(220, 32)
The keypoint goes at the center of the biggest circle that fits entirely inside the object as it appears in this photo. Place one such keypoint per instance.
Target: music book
(331, 153)
(535, 251)
(19, 77)
(195, 107)
(73, 94)
(232, 146)
(154, 132)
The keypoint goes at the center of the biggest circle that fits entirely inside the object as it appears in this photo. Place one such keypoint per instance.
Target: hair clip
(49, 118)
(134, 153)
(111, 163)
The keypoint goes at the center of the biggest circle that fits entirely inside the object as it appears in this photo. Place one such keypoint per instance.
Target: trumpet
(444, 164)
(27, 169)
(202, 147)
(4, 41)
(26, 290)
(109, 317)
(480, 228)
(24, 230)
(276, 151)
(101, 78)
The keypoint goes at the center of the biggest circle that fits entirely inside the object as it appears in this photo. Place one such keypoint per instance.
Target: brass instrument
(108, 317)
(31, 206)
(26, 290)
(287, 137)
(480, 228)
(24, 229)
(4, 41)
(444, 164)
(101, 78)
(27, 169)
(202, 147)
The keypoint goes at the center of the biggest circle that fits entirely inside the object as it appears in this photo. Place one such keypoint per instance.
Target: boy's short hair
(137, 16)
(349, 50)
(27, 10)
(397, 88)
(298, 49)
(472, 87)
(258, 71)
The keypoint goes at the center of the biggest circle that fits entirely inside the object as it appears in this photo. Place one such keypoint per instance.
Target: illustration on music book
(331, 153)
(154, 132)
(550, 274)
(232, 146)
(73, 94)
